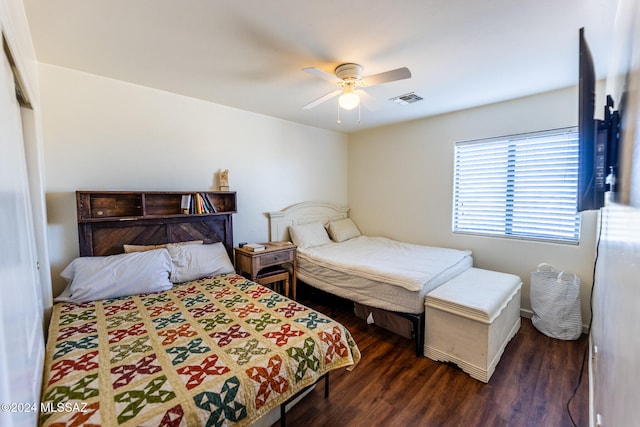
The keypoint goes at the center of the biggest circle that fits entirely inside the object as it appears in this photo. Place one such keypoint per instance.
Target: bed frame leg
(420, 336)
(417, 321)
(326, 385)
(283, 406)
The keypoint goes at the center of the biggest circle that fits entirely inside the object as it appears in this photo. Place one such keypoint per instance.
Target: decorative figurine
(223, 180)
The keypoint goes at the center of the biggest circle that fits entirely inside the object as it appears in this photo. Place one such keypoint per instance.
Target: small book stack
(254, 247)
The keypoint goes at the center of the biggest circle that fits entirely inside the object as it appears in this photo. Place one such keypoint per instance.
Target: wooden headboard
(107, 236)
(302, 213)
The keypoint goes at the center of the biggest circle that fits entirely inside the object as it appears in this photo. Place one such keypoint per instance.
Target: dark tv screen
(592, 160)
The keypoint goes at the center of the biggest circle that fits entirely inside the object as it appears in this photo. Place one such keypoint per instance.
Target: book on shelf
(255, 247)
(201, 208)
(196, 204)
(210, 204)
(185, 203)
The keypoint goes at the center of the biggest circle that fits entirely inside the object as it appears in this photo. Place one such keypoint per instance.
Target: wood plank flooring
(390, 386)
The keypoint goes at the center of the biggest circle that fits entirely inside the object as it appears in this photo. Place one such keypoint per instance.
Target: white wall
(104, 134)
(615, 343)
(401, 185)
(614, 363)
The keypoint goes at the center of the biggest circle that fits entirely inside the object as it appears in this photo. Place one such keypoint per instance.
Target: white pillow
(308, 235)
(342, 230)
(192, 262)
(96, 278)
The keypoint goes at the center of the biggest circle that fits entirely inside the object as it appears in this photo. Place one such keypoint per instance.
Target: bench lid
(475, 293)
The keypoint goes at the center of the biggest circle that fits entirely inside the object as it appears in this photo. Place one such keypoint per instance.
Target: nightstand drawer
(276, 258)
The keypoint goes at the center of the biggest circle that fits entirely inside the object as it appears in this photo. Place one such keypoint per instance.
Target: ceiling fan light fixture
(349, 99)
(348, 77)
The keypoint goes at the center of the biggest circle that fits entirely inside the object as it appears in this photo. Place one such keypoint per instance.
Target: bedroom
(89, 122)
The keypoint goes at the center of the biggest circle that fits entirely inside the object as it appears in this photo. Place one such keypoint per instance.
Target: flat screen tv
(598, 146)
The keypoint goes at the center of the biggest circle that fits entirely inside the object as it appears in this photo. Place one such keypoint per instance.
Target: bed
(129, 347)
(374, 272)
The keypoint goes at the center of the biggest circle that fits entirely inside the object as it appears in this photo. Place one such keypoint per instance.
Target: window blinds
(522, 186)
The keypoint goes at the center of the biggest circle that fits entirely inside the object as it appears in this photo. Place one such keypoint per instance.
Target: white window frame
(518, 186)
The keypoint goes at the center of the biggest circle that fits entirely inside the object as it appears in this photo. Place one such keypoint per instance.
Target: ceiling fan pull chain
(338, 113)
(359, 113)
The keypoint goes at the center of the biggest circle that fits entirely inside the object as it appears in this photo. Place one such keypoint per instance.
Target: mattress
(380, 272)
(215, 351)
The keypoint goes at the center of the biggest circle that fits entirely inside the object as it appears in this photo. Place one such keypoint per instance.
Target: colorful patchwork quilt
(212, 352)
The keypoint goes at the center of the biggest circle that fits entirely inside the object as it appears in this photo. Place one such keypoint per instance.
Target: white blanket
(377, 258)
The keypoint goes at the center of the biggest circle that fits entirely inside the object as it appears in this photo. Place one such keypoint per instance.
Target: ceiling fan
(348, 77)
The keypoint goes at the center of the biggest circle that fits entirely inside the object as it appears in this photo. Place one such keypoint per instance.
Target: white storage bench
(470, 319)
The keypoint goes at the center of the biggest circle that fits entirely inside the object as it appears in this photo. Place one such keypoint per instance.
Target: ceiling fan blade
(322, 99)
(369, 101)
(322, 74)
(387, 76)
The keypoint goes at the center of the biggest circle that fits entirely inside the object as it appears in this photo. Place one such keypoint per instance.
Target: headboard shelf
(107, 220)
(101, 205)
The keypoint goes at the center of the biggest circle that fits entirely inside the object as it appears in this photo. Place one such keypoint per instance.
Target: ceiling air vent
(407, 98)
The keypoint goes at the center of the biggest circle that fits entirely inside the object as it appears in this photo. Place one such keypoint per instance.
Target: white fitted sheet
(380, 272)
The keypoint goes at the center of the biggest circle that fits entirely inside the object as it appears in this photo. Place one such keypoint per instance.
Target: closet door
(21, 307)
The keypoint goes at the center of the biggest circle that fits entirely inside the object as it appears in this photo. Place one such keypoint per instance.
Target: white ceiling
(248, 54)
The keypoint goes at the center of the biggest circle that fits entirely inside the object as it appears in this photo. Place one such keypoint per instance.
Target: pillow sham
(191, 262)
(141, 248)
(102, 277)
(308, 235)
(342, 230)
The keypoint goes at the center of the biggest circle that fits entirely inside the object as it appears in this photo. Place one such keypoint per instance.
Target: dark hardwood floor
(390, 386)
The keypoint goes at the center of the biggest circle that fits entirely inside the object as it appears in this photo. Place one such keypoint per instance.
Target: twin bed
(380, 275)
(129, 347)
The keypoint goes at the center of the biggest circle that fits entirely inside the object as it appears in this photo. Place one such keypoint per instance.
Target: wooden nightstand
(281, 254)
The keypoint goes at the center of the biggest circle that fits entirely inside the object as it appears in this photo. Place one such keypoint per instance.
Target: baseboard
(527, 313)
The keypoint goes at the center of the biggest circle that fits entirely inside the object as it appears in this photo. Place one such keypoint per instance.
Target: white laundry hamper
(555, 301)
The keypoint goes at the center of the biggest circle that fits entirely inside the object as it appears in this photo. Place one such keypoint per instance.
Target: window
(521, 186)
